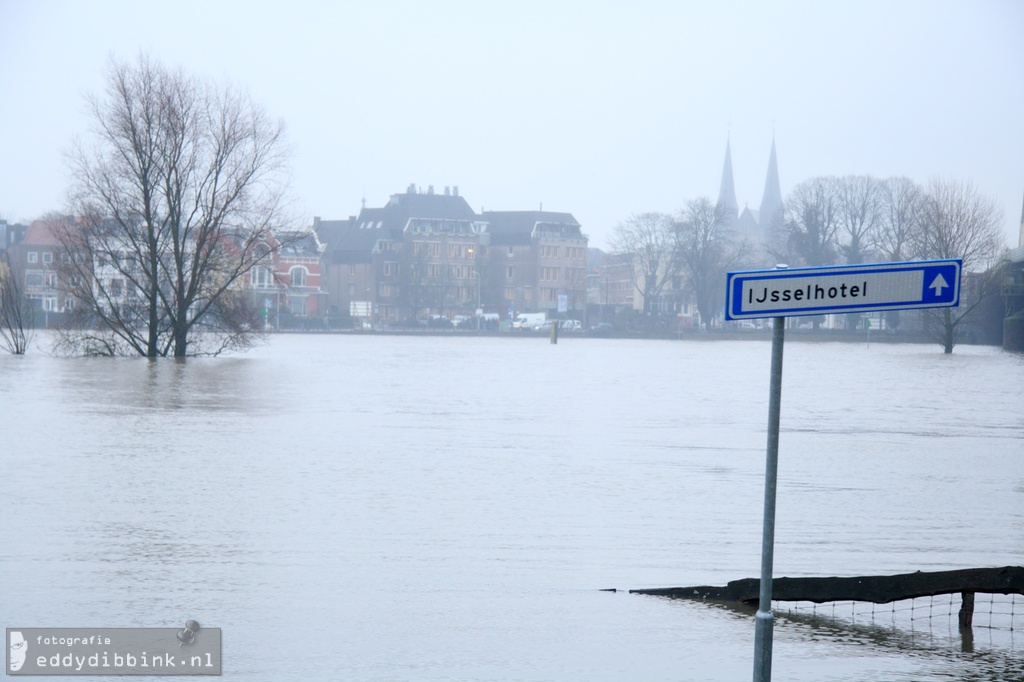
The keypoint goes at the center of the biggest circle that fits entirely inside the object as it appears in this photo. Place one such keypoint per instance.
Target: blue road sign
(784, 292)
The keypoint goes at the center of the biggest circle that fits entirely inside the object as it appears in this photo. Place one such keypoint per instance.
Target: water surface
(389, 508)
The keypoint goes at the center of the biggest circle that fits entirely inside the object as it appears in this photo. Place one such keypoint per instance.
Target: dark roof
(300, 245)
(511, 228)
(428, 206)
(344, 242)
(352, 240)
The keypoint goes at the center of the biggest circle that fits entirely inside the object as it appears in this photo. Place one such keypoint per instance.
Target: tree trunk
(152, 346)
(180, 342)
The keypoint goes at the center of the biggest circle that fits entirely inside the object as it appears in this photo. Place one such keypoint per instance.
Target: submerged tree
(16, 319)
(183, 182)
(956, 221)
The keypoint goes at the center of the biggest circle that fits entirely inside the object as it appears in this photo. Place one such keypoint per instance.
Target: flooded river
(422, 508)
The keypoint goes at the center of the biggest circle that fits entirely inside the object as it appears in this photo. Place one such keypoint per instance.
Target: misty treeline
(176, 194)
(826, 220)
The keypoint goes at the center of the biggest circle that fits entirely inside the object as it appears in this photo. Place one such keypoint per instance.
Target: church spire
(727, 192)
(771, 202)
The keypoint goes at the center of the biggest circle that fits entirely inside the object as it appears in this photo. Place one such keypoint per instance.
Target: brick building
(426, 255)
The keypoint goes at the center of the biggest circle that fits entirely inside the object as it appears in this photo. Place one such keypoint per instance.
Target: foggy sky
(600, 109)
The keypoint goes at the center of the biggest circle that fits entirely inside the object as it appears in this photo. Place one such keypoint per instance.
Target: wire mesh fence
(998, 620)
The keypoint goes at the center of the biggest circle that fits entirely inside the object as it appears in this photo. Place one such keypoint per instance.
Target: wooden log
(878, 589)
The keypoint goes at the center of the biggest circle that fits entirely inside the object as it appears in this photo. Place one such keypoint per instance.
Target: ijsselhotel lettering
(812, 292)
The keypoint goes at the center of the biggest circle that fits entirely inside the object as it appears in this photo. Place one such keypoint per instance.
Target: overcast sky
(600, 109)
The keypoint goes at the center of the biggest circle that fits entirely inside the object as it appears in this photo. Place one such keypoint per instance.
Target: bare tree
(16, 329)
(898, 208)
(809, 233)
(859, 197)
(956, 221)
(648, 241)
(707, 252)
(183, 182)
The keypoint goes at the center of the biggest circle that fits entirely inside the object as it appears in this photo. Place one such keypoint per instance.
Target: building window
(116, 287)
(298, 275)
(458, 272)
(508, 272)
(47, 257)
(51, 280)
(298, 305)
(33, 279)
(548, 274)
(262, 277)
(390, 269)
(511, 252)
(33, 257)
(351, 289)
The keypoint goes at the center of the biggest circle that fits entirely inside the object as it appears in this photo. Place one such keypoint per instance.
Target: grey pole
(763, 620)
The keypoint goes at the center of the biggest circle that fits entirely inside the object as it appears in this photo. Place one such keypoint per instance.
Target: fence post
(966, 610)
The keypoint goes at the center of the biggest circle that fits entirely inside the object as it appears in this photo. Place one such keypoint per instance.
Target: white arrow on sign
(939, 283)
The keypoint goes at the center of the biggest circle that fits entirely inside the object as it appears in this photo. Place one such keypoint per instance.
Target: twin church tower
(753, 226)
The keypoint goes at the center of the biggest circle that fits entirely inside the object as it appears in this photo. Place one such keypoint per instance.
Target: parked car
(571, 326)
(601, 329)
(438, 322)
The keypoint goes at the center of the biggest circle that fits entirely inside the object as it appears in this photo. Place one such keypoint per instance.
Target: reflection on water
(434, 508)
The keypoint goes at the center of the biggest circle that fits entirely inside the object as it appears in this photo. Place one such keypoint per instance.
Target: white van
(528, 321)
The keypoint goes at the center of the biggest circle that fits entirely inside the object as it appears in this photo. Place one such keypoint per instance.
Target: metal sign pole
(764, 620)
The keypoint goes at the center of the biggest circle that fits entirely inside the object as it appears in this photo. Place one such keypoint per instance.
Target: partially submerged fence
(876, 589)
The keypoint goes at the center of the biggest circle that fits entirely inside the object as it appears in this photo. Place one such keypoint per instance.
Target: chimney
(455, 191)
(412, 188)
(447, 191)
(430, 189)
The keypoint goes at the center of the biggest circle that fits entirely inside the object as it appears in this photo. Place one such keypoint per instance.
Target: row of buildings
(423, 255)
(426, 255)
